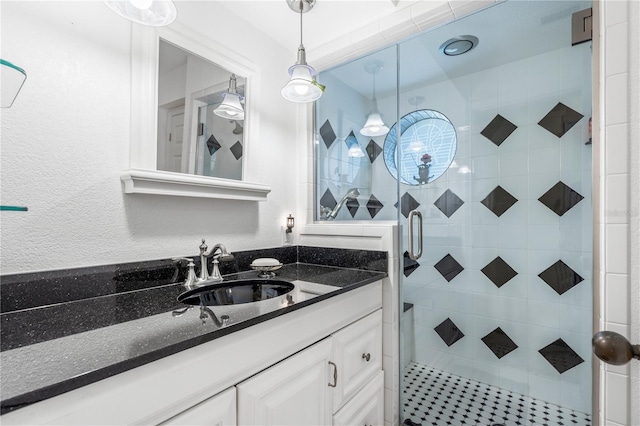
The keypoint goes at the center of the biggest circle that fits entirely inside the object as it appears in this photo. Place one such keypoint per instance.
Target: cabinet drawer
(357, 353)
(219, 410)
(366, 407)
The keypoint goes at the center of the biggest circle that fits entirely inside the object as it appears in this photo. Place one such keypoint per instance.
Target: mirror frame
(143, 176)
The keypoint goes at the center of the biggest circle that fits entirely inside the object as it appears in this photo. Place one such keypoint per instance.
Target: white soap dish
(266, 266)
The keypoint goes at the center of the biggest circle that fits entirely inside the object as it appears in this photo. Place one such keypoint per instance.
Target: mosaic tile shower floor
(434, 398)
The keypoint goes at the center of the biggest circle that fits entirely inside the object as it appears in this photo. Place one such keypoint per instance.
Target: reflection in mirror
(349, 166)
(192, 138)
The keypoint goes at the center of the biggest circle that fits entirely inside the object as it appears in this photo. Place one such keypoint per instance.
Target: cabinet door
(357, 351)
(219, 410)
(366, 408)
(292, 392)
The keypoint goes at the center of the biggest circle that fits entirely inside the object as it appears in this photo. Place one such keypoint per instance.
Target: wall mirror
(192, 117)
(195, 135)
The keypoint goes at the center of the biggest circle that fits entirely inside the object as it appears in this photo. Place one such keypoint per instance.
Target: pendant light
(353, 147)
(231, 107)
(374, 126)
(302, 87)
(155, 13)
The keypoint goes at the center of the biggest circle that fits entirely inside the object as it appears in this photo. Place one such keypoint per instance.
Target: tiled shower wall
(503, 292)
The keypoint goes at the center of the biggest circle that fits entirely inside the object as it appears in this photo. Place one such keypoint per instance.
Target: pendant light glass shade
(353, 147)
(155, 13)
(374, 126)
(301, 87)
(231, 107)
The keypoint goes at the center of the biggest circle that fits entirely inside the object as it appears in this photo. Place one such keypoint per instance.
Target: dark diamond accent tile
(560, 277)
(498, 130)
(560, 119)
(352, 205)
(410, 265)
(213, 145)
(373, 150)
(236, 150)
(374, 206)
(499, 272)
(448, 267)
(327, 133)
(499, 343)
(499, 201)
(408, 203)
(328, 200)
(560, 198)
(449, 332)
(561, 356)
(448, 203)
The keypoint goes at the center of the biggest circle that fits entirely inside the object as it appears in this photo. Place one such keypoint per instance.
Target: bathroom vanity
(316, 361)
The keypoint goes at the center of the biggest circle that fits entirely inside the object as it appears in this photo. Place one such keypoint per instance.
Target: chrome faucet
(219, 253)
(329, 214)
(215, 276)
(190, 281)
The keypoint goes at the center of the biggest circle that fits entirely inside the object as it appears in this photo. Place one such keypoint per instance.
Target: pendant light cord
(374, 86)
(301, 8)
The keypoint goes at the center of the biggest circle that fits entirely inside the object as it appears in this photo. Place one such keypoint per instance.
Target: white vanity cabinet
(367, 406)
(342, 372)
(292, 392)
(219, 410)
(357, 351)
(274, 372)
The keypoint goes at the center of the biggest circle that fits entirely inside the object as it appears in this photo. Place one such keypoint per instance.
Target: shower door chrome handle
(412, 254)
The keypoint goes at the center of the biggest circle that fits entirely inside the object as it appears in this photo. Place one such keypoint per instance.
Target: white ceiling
(507, 32)
(328, 20)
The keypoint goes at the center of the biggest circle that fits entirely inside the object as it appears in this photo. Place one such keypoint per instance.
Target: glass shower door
(493, 150)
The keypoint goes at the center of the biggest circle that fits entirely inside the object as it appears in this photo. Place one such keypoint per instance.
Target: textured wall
(66, 141)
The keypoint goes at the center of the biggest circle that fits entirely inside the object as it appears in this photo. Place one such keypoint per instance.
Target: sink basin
(238, 293)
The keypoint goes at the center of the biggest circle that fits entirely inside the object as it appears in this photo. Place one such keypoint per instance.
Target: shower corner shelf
(13, 77)
(14, 208)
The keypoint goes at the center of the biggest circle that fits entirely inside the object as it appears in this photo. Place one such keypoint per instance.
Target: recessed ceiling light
(458, 45)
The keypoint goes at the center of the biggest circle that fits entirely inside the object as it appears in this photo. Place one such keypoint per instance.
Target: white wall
(66, 141)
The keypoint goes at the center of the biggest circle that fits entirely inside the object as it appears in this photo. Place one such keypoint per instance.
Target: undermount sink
(238, 292)
(230, 302)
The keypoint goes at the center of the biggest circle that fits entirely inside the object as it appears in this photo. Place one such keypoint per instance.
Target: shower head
(352, 193)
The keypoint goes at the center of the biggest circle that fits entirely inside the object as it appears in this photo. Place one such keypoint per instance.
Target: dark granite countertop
(53, 348)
